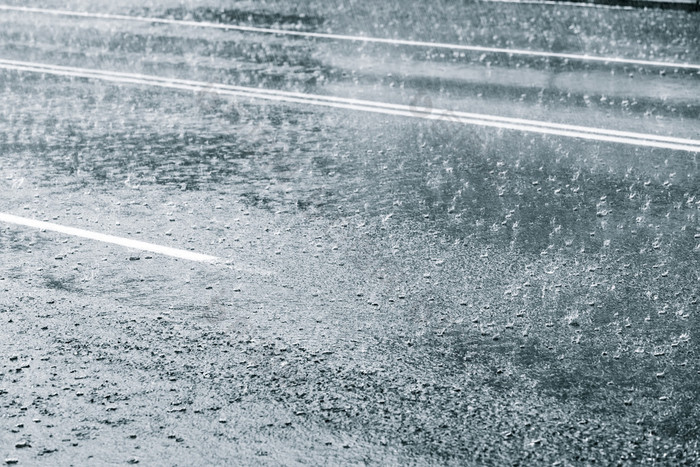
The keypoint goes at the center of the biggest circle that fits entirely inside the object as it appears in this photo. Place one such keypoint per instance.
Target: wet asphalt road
(393, 291)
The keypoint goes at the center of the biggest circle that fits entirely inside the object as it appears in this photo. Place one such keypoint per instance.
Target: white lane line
(448, 115)
(125, 242)
(343, 37)
(584, 4)
(557, 3)
(596, 134)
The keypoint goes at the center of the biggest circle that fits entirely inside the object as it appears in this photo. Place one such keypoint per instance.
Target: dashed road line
(99, 237)
(352, 38)
(494, 121)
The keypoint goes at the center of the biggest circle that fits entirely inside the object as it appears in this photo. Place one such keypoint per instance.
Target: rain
(358, 232)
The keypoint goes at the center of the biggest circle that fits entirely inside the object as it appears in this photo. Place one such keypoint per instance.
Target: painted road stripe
(583, 4)
(449, 115)
(343, 37)
(558, 3)
(125, 242)
(596, 134)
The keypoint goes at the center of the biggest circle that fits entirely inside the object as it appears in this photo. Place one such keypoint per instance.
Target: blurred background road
(407, 288)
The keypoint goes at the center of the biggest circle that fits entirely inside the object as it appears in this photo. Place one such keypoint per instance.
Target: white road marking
(125, 242)
(450, 115)
(557, 3)
(534, 126)
(584, 4)
(639, 139)
(343, 37)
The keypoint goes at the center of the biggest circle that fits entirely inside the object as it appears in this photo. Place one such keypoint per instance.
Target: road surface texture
(388, 288)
